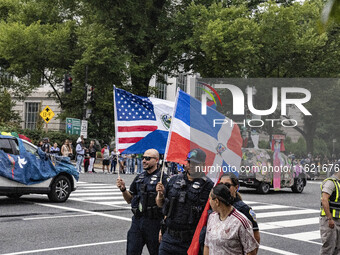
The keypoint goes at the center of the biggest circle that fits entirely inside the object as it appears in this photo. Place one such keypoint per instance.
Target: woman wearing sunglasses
(228, 230)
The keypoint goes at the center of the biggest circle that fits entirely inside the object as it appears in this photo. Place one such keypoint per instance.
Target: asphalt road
(95, 220)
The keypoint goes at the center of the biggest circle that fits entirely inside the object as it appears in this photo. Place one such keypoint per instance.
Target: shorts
(106, 162)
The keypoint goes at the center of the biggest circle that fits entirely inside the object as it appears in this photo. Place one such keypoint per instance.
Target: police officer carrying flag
(147, 215)
(183, 200)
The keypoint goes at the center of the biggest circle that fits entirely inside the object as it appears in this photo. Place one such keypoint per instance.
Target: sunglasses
(228, 184)
(147, 158)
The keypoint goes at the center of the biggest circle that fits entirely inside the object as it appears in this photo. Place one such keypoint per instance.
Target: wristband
(123, 190)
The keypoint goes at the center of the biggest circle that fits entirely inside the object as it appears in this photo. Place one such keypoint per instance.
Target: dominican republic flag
(141, 123)
(190, 129)
(221, 143)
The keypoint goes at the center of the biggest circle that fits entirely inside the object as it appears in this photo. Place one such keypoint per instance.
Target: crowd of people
(86, 156)
(313, 165)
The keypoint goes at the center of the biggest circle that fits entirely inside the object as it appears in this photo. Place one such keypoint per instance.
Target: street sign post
(47, 114)
(73, 126)
(84, 128)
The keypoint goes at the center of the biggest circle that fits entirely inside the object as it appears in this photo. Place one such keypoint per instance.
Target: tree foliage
(125, 43)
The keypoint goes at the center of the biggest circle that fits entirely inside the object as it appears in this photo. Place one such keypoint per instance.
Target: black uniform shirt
(185, 214)
(150, 180)
(247, 211)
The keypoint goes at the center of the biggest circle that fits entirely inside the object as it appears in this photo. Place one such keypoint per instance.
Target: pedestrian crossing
(99, 193)
(283, 221)
(275, 217)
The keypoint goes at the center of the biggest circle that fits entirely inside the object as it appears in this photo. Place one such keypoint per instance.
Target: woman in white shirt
(228, 230)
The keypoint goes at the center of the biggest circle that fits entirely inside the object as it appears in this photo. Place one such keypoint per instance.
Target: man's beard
(148, 168)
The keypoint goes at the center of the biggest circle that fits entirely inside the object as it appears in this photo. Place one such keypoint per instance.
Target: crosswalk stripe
(288, 223)
(97, 194)
(283, 236)
(97, 190)
(126, 207)
(101, 187)
(278, 251)
(304, 236)
(268, 207)
(285, 213)
(91, 184)
(101, 198)
(316, 183)
(115, 203)
(250, 202)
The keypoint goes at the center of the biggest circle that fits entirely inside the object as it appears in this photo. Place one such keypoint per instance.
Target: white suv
(60, 182)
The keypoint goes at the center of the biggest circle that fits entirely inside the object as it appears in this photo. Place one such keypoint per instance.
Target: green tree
(7, 114)
(35, 45)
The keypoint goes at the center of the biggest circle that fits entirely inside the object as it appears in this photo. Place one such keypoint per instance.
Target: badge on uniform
(253, 214)
(153, 179)
(196, 185)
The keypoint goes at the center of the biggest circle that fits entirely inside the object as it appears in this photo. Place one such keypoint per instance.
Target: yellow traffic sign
(47, 114)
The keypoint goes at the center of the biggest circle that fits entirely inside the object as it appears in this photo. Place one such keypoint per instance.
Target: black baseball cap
(197, 156)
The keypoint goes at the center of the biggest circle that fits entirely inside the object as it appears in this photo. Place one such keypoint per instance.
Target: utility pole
(85, 93)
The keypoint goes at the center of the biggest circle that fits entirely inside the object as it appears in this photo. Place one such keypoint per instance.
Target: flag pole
(162, 170)
(116, 129)
(118, 165)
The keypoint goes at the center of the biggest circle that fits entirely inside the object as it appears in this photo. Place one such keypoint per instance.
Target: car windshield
(30, 148)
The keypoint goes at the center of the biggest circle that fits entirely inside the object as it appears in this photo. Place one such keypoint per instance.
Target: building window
(161, 88)
(31, 115)
(182, 82)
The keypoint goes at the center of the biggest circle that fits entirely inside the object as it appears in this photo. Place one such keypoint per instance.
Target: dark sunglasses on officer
(147, 158)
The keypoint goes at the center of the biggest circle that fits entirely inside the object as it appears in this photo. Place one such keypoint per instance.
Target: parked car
(257, 171)
(26, 169)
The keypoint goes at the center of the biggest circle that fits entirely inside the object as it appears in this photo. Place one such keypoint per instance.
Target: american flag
(137, 117)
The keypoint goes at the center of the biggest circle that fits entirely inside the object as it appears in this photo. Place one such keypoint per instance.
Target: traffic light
(89, 93)
(68, 83)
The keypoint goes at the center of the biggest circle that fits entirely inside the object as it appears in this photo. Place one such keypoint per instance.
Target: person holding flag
(147, 216)
(183, 201)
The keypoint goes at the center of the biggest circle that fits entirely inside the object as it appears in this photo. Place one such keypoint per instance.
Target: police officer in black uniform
(183, 201)
(147, 215)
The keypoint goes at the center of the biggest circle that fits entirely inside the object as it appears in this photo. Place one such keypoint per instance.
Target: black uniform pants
(171, 245)
(143, 231)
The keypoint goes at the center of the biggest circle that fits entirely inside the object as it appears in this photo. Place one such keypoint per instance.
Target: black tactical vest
(144, 202)
(185, 201)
